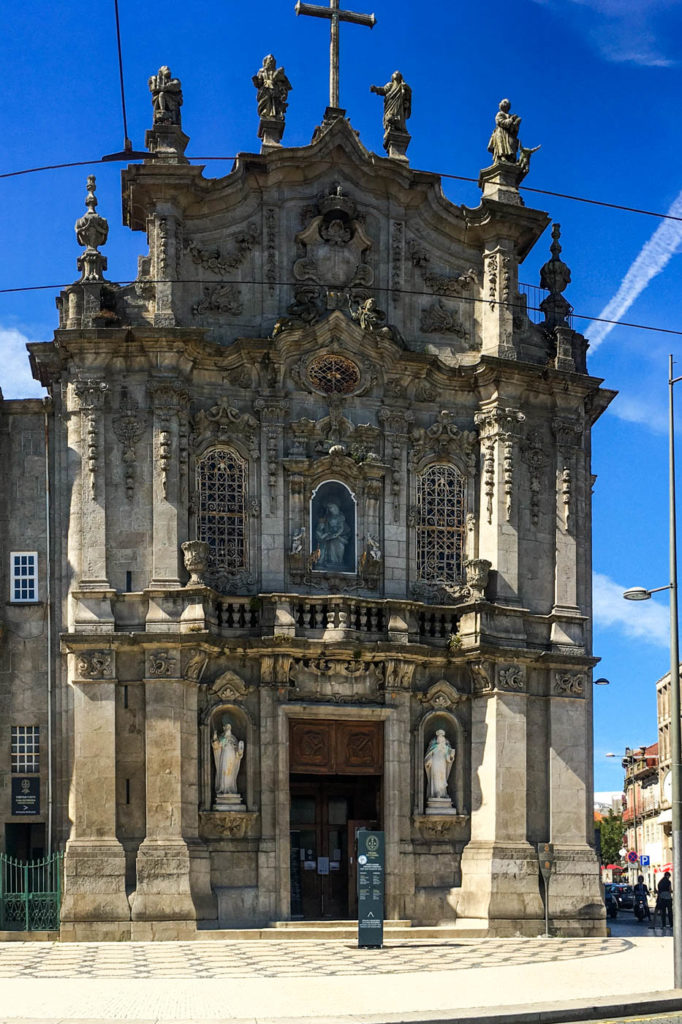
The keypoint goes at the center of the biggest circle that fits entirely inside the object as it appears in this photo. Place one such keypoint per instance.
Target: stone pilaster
(500, 289)
(170, 447)
(273, 413)
(90, 398)
(162, 905)
(498, 537)
(567, 622)
(575, 904)
(94, 905)
(164, 230)
(499, 891)
(273, 861)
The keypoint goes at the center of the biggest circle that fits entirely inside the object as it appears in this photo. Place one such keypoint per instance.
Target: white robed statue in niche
(228, 752)
(438, 762)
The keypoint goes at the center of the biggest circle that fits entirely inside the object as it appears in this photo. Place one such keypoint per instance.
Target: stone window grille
(221, 512)
(441, 525)
(24, 576)
(334, 375)
(25, 751)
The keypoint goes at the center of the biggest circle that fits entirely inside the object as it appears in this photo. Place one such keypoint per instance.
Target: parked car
(624, 895)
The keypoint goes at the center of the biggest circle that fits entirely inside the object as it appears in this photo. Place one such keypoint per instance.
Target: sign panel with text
(25, 795)
(370, 889)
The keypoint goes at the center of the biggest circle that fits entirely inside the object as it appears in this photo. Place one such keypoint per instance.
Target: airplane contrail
(653, 258)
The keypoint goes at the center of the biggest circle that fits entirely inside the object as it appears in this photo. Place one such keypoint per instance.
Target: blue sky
(597, 83)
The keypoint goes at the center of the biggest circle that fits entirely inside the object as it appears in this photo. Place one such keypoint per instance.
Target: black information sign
(370, 889)
(25, 795)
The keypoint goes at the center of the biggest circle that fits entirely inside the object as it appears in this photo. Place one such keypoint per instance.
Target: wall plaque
(25, 795)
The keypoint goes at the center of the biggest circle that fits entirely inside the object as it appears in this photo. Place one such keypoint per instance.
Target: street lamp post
(641, 594)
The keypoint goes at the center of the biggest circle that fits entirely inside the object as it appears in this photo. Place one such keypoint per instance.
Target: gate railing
(30, 893)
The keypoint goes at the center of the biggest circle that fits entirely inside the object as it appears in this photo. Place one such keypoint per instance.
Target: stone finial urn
(477, 570)
(195, 554)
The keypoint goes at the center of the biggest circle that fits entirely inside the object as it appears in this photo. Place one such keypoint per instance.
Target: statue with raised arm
(166, 97)
(504, 141)
(397, 102)
(273, 90)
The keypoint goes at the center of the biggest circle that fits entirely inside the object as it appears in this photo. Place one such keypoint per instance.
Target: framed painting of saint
(333, 528)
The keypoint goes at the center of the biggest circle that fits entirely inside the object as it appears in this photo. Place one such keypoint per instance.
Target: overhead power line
(402, 291)
(127, 154)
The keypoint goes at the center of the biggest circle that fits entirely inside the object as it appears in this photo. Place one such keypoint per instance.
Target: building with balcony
(642, 810)
(300, 543)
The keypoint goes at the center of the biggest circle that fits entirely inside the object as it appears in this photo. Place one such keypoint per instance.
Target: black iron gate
(30, 893)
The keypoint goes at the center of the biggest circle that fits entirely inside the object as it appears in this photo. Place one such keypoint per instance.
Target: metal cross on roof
(335, 15)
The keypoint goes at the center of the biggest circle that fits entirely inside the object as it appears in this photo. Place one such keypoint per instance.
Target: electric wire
(126, 141)
(402, 291)
(439, 174)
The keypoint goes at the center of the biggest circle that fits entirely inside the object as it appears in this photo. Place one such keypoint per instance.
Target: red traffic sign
(632, 857)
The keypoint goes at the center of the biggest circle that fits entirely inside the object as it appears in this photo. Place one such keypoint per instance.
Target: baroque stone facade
(319, 495)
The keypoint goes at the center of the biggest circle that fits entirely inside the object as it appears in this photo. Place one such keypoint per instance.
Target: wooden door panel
(324, 747)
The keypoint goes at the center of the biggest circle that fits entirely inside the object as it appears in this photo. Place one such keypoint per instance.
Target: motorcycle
(641, 907)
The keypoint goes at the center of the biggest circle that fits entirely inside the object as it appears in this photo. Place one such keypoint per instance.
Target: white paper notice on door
(323, 865)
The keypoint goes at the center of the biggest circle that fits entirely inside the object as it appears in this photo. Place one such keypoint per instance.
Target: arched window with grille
(221, 510)
(441, 524)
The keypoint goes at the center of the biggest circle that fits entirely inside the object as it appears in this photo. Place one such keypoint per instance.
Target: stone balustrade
(335, 617)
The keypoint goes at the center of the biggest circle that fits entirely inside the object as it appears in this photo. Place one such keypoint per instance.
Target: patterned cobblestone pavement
(274, 959)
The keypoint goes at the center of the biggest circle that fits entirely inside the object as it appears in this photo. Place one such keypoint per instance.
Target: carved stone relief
(231, 258)
(220, 298)
(536, 459)
(442, 696)
(511, 677)
(91, 395)
(95, 665)
(161, 664)
(333, 251)
(128, 428)
(221, 421)
(569, 684)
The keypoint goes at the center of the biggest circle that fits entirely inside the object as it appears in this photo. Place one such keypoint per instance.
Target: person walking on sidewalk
(664, 901)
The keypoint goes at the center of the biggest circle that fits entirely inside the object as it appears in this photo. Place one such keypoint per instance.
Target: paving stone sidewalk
(331, 981)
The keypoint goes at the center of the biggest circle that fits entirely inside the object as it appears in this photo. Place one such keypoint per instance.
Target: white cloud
(649, 413)
(652, 259)
(16, 379)
(622, 31)
(641, 620)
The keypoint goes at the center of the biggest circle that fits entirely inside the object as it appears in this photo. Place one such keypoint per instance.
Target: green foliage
(611, 830)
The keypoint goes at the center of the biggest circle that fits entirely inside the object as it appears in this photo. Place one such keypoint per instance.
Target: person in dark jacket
(664, 901)
(641, 891)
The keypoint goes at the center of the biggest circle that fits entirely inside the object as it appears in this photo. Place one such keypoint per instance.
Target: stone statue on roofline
(397, 109)
(273, 92)
(511, 159)
(166, 97)
(504, 141)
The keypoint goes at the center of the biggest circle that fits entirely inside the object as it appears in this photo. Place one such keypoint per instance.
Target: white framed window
(23, 576)
(25, 749)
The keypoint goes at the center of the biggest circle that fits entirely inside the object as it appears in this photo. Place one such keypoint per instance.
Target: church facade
(300, 543)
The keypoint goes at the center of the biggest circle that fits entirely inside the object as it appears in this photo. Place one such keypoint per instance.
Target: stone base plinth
(396, 143)
(576, 906)
(270, 130)
(228, 802)
(500, 889)
(440, 805)
(501, 182)
(163, 891)
(168, 143)
(94, 904)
